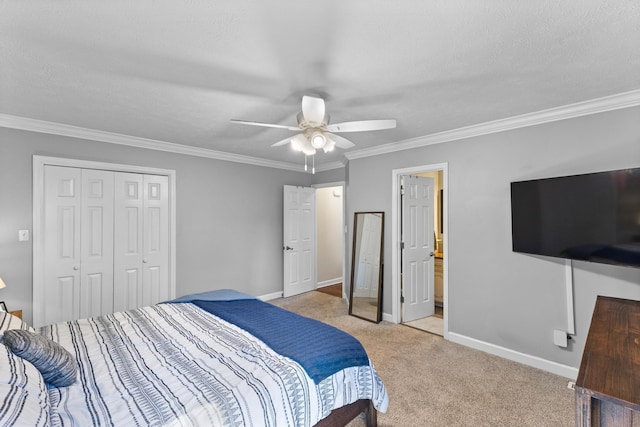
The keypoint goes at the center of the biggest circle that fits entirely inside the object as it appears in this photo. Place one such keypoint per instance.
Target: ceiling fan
(315, 131)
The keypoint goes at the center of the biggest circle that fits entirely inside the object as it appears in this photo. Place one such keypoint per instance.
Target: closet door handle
(76, 268)
(144, 261)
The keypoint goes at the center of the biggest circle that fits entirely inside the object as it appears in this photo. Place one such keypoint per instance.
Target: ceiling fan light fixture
(309, 151)
(318, 140)
(307, 148)
(329, 146)
(298, 142)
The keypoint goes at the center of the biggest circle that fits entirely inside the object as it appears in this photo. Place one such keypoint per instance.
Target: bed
(219, 358)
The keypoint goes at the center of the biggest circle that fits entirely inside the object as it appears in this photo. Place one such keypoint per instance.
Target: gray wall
(229, 215)
(496, 296)
(331, 175)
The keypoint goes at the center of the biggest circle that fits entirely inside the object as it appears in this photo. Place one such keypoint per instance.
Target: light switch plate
(23, 235)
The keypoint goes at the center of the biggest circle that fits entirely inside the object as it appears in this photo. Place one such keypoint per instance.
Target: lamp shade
(2, 285)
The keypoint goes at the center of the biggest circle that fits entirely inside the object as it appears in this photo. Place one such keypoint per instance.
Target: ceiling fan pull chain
(305, 162)
(313, 168)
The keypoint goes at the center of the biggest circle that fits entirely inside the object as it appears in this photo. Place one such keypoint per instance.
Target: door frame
(396, 237)
(39, 162)
(341, 184)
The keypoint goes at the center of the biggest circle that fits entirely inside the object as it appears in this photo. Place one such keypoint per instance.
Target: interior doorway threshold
(432, 324)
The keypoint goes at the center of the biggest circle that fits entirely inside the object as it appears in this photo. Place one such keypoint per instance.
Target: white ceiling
(178, 71)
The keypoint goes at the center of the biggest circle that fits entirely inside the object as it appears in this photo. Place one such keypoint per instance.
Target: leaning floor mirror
(365, 297)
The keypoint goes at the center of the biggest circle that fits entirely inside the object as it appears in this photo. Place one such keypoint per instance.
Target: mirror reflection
(366, 266)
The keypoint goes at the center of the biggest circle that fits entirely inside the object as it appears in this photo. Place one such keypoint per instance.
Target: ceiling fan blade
(340, 141)
(299, 139)
(313, 109)
(269, 125)
(362, 125)
(283, 142)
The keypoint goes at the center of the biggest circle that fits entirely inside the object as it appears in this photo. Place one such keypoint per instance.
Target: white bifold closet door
(141, 261)
(105, 242)
(79, 243)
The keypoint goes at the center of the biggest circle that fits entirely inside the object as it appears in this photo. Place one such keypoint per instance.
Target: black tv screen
(592, 217)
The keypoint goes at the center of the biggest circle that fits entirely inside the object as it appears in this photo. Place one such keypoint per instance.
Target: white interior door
(155, 263)
(61, 222)
(418, 253)
(78, 257)
(128, 246)
(96, 247)
(141, 260)
(299, 244)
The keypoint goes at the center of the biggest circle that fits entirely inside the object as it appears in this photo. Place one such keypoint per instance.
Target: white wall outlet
(560, 338)
(23, 235)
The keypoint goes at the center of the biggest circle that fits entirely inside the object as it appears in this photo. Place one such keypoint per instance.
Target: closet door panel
(61, 222)
(156, 240)
(96, 291)
(128, 242)
(63, 298)
(92, 295)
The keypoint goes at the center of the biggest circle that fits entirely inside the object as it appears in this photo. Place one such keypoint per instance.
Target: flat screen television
(593, 217)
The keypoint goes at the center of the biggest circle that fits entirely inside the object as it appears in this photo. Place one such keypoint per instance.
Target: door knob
(431, 254)
(144, 261)
(288, 248)
(76, 268)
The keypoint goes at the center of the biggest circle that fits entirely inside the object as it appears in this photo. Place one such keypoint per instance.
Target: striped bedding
(177, 365)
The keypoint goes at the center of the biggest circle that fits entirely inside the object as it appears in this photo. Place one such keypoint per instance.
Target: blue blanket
(217, 295)
(320, 349)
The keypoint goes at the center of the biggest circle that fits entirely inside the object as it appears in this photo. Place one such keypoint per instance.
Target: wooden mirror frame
(356, 237)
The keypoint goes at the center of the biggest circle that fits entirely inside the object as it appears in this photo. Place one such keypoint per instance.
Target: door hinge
(402, 246)
(402, 298)
(402, 190)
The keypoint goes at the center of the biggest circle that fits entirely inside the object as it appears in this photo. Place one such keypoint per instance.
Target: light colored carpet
(434, 382)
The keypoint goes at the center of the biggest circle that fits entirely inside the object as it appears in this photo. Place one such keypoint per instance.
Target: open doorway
(330, 237)
(434, 258)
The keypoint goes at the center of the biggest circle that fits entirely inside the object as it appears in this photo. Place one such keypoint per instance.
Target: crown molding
(333, 165)
(578, 109)
(41, 126)
(594, 106)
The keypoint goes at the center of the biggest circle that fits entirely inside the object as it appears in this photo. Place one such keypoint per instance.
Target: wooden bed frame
(342, 416)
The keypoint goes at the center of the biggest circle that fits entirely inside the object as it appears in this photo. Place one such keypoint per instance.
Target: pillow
(25, 399)
(9, 321)
(55, 363)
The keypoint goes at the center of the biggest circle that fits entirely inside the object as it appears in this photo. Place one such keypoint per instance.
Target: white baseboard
(329, 282)
(526, 359)
(269, 297)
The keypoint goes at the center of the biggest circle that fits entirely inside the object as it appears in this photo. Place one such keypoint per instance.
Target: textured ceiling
(178, 71)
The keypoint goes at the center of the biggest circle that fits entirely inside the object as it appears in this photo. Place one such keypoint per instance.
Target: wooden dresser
(608, 384)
